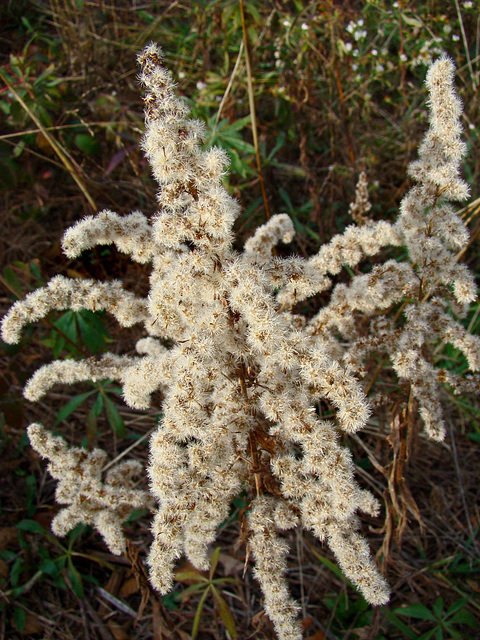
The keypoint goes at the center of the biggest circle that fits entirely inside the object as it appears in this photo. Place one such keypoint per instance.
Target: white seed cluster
(102, 503)
(242, 381)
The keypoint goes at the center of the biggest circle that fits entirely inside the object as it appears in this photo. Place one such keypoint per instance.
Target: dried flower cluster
(244, 376)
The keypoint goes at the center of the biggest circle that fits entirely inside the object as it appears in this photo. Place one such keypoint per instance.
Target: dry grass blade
(229, 86)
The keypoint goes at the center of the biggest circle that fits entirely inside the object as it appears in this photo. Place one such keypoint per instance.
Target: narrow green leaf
(411, 635)
(214, 561)
(438, 608)
(67, 324)
(49, 567)
(76, 533)
(183, 576)
(429, 634)
(71, 405)
(75, 579)
(16, 571)
(92, 417)
(13, 282)
(92, 335)
(463, 617)
(416, 610)
(114, 418)
(238, 125)
(286, 198)
(221, 581)
(96, 410)
(31, 525)
(329, 564)
(225, 613)
(198, 614)
(278, 145)
(193, 588)
(19, 618)
(31, 495)
(35, 270)
(56, 343)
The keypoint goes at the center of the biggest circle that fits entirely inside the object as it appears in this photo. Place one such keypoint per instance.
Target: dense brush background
(338, 88)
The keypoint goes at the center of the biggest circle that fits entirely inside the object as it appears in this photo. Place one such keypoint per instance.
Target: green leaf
(438, 608)
(73, 404)
(183, 576)
(225, 613)
(279, 144)
(13, 282)
(214, 561)
(463, 617)
(408, 633)
(114, 418)
(27, 24)
(198, 614)
(32, 526)
(220, 581)
(9, 169)
(19, 148)
(49, 71)
(193, 588)
(75, 579)
(41, 112)
(31, 495)
(87, 144)
(49, 567)
(286, 198)
(416, 611)
(92, 330)
(136, 514)
(170, 600)
(92, 417)
(329, 564)
(234, 142)
(76, 533)
(67, 324)
(19, 618)
(236, 126)
(35, 270)
(312, 234)
(16, 571)
(96, 410)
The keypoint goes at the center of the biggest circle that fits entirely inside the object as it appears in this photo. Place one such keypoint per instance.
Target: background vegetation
(338, 88)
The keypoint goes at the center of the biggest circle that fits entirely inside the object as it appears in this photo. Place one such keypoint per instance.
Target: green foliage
(42, 565)
(102, 403)
(20, 278)
(75, 329)
(443, 624)
(204, 586)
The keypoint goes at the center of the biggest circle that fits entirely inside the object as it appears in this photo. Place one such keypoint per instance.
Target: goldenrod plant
(241, 372)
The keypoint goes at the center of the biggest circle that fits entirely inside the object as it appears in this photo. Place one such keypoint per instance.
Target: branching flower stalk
(243, 378)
